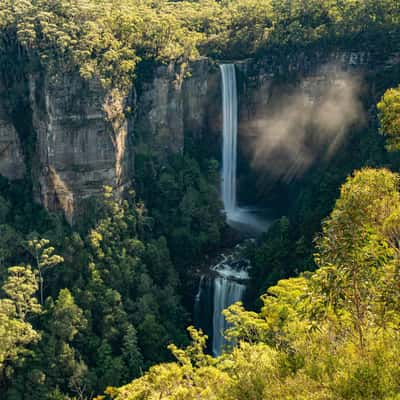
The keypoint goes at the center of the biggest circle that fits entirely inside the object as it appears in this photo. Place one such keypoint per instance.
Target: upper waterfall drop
(229, 135)
(242, 219)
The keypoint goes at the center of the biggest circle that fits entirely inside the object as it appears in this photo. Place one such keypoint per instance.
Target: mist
(306, 124)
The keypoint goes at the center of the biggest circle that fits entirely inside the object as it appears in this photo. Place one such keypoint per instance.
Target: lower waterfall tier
(226, 293)
(221, 286)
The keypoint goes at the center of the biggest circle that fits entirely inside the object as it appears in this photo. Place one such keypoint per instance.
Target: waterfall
(226, 282)
(229, 137)
(226, 292)
(222, 285)
(242, 219)
(231, 273)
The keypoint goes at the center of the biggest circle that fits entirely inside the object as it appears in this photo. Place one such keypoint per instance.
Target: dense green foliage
(108, 289)
(389, 116)
(288, 247)
(184, 201)
(107, 39)
(331, 334)
(15, 330)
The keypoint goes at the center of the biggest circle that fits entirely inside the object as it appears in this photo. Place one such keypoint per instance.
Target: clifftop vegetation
(107, 39)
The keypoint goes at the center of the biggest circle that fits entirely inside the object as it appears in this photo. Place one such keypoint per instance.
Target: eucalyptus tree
(389, 117)
(44, 258)
(16, 308)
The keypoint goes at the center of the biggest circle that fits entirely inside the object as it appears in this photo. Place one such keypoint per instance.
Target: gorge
(134, 170)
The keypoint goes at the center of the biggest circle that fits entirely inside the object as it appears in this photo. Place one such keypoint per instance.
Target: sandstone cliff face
(262, 81)
(172, 108)
(83, 143)
(11, 157)
(265, 80)
(79, 150)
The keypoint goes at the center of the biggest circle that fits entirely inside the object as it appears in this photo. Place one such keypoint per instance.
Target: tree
(16, 333)
(67, 318)
(58, 358)
(45, 259)
(131, 353)
(389, 117)
(9, 241)
(354, 252)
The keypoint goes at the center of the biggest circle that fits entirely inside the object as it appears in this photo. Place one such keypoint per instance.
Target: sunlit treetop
(389, 117)
(107, 39)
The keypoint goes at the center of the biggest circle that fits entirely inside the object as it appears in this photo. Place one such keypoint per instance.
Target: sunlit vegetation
(107, 39)
(389, 116)
(97, 305)
(330, 334)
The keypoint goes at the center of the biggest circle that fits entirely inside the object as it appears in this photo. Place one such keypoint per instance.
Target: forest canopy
(330, 334)
(108, 39)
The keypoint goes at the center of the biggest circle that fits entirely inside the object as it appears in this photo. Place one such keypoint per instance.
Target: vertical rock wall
(83, 141)
(79, 146)
(173, 109)
(11, 156)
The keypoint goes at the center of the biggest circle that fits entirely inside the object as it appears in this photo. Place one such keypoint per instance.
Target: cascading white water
(229, 137)
(244, 219)
(228, 289)
(226, 293)
(227, 283)
(223, 286)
